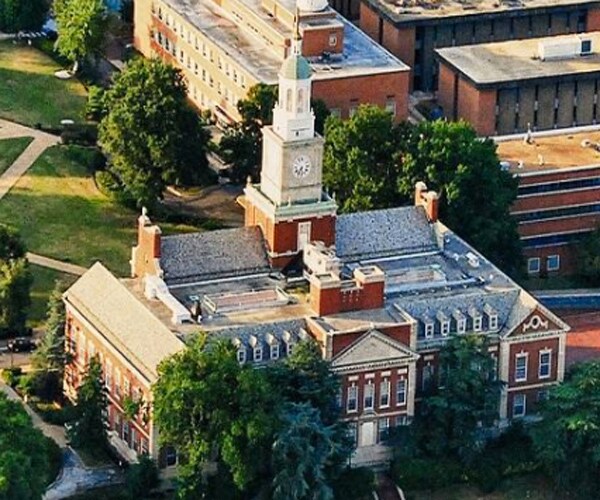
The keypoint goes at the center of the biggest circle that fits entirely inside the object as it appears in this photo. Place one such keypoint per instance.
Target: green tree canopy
(451, 413)
(150, 134)
(82, 26)
(22, 15)
(89, 427)
(370, 163)
(15, 283)
(567, 439)
(589, 258)
(24, 465)
(241, 145)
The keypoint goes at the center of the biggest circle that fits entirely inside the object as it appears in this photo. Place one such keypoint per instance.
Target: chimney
(429, 200)
(145, 256)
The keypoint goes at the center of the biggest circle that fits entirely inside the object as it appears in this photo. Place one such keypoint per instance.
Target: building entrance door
(367, 434)
(303, 234)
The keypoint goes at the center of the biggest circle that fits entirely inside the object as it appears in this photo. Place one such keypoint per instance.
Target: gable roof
(371, 350)
(213, 254)
(383, 233)
(122, 320)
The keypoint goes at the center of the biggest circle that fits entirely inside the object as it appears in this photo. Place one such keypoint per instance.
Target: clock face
(301, 166)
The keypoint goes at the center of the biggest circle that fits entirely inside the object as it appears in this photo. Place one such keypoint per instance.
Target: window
(369, 396)
(353, 432)
(542, 395)
(117, 383)
(241, 355)
(390, 105)
(533, 265)
(428, 329)
(519, 405)
(126, 387)
(427, 379)
(353, 109)
(352, 401)
(402, 420)
(384, 393)
(493, 318)
(544, 366)
(108, 375)
(445, 327)
(288, 100)
(383, 428)
(553, 263)
(300, 103)
(333, 40)
(289, 346)
(401, 392)
(477, 323)
(170, 456)
(258, 353)
(461, 325)
(586, 47)
(521, 367)
(274, 351)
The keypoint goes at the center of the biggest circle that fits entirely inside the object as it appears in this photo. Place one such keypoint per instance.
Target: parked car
(21, 344)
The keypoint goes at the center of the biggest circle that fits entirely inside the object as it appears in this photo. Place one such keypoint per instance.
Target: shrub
(354, 484)
(11, 375)
(83, 134)
(54, 415)
(427, 473)
(142, 477)
(95, 108)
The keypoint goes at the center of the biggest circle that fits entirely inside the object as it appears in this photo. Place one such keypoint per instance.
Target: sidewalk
(65, 267)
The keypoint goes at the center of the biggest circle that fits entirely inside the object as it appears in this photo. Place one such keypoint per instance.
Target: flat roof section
(413, 11)
(504, 62)
(361, 55)
(554, 151)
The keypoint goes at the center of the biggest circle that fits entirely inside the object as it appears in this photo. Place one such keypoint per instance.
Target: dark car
(21, 344)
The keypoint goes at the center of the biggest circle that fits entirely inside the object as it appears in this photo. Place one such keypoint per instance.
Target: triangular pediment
(538, 322)
(373, 348)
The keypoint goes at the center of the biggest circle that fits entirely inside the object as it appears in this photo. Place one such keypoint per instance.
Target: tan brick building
(559, 197)
(224, 48)
(413, 30)
(502, 88)
(382, 292)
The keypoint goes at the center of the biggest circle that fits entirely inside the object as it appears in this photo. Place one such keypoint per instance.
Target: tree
(300, 454)
(241, 145)
(567, 439)
(50, 357)
(89, 428)
(25, 469)
(158, 143)
(589, 258)
(142, 477)
(466, 398)
(22, 15)
(211, 408)
(15, 282)
(81, 27)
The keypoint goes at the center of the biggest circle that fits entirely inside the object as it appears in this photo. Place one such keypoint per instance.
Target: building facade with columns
(382, 291)
(225, 47)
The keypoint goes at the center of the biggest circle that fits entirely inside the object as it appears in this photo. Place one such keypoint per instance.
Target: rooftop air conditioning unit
(564, 48)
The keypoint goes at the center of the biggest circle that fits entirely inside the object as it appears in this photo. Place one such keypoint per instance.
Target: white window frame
(533, 265)
(333, 39)
(369, 392)
(554, 267)
(274, 351)
(401, 383)
(390, 105)
(477, 323)
(108, 375)
(352, 395)
(548, 364)
(257, 353)
(518, 357)
(429, 329)
(289, 348)
(445, 328)
(522, 398)
(384, 392)
(241, 355)
(461, 325)
(383, 426)
(493, 322)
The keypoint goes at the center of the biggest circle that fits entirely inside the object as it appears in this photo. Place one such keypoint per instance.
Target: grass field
(11, 149)
(44, 281)
(61, 213)
(29, 91)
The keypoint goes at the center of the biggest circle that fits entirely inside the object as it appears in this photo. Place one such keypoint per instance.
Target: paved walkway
(65, 267)
(41, 141)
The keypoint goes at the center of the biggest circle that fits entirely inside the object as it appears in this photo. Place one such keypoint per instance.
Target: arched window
(300, 104)
(288, 100)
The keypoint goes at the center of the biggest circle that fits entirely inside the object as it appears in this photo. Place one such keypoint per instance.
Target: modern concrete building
(559, 194)
(413, 30)
(382, 292)
(224, 48)
(504, 88)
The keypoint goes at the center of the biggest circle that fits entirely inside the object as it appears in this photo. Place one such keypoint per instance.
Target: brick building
(413, 30)
(502, 88)
(558, 200)
(383, 290)
(224, 48)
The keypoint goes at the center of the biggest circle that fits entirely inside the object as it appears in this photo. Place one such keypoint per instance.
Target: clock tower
(289, 204)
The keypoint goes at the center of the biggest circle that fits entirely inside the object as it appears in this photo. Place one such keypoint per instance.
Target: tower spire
(297, 39)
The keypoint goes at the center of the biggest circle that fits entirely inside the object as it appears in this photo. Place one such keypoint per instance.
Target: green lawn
(44, 281)
(29, 91)
(61, 214)
(11, 149)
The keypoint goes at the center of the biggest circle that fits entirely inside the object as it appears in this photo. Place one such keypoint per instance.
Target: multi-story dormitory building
(226, 47)
(384, 290)
(504, 88)
(559, 197)
(412, 30)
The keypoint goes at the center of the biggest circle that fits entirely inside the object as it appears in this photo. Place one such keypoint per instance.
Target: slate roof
(123, 320)
(382, 233)
(213, 254)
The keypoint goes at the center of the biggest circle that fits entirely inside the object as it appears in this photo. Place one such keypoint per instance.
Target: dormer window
(289, 348)
(461, 321)
(241, 355)
(429, 328)
(492, 317)
(274, 351)
(444, 324)
(258, 353)
(477, 319)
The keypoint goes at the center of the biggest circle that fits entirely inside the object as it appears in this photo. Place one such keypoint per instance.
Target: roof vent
(472, 259)
(564, 48)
